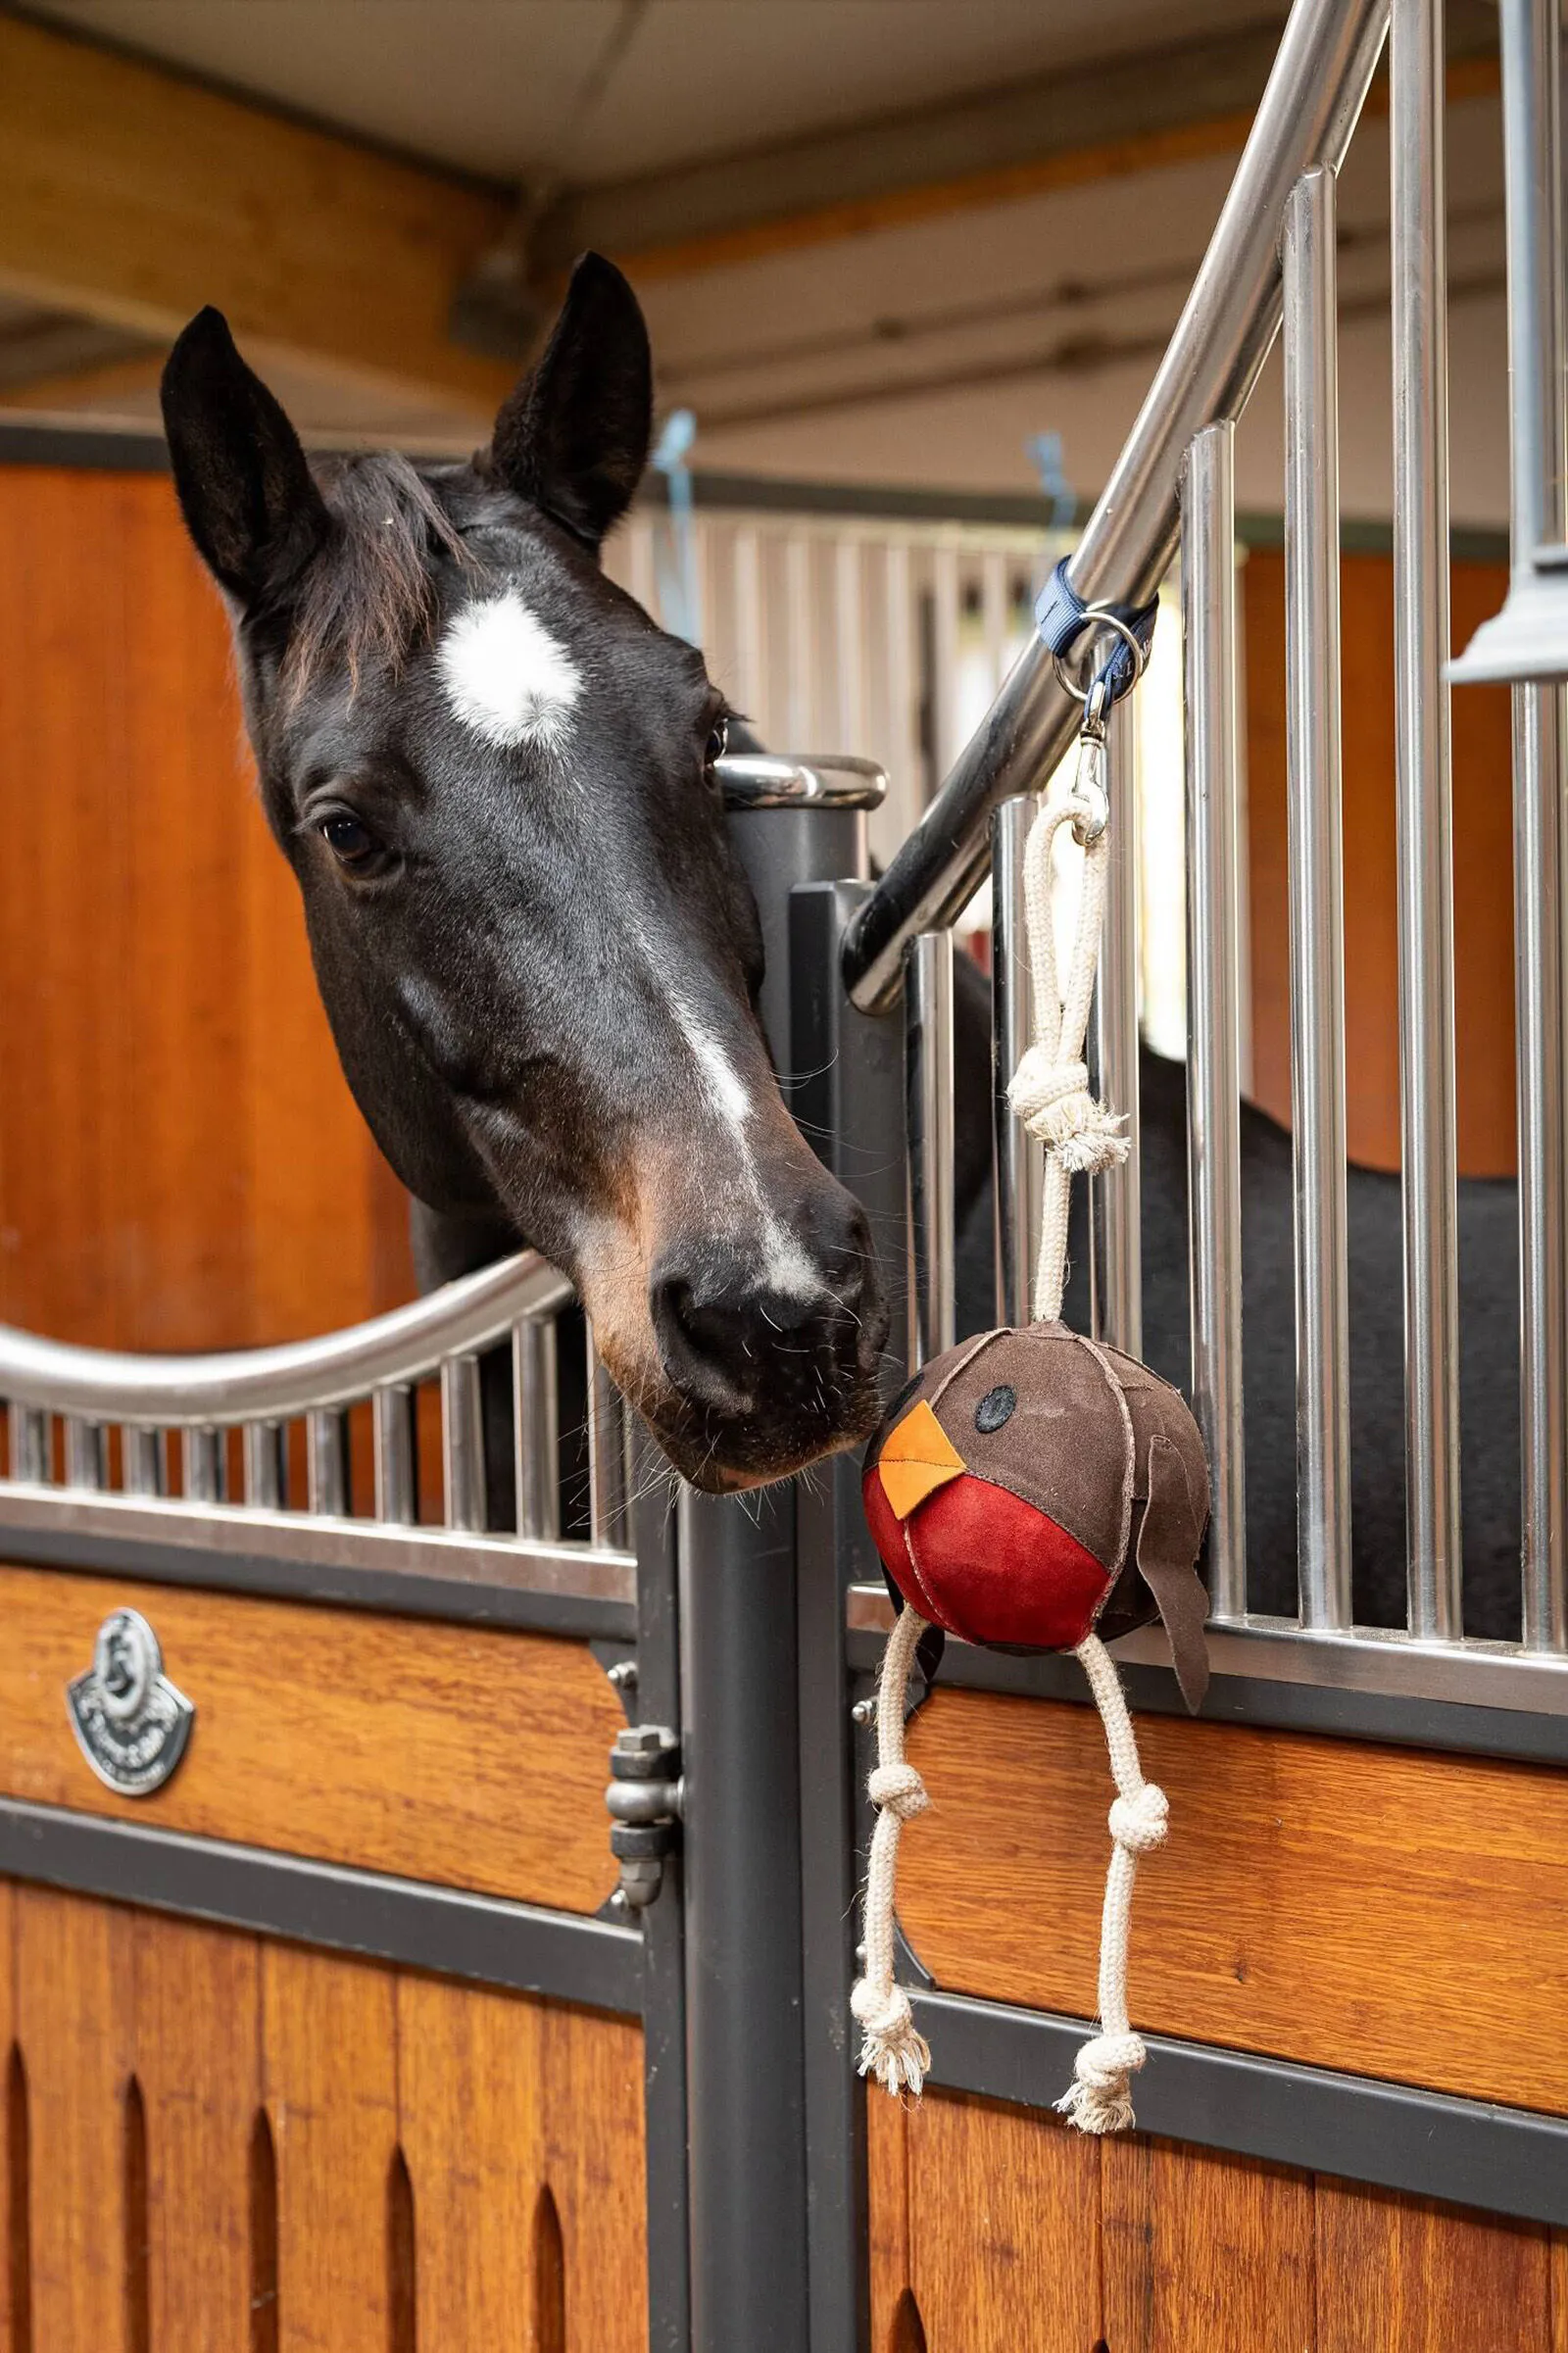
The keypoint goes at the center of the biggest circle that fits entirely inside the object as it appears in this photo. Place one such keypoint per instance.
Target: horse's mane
(370, 593)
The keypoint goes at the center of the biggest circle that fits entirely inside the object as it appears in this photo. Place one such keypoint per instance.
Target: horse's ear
(244, 487)
(573, 437)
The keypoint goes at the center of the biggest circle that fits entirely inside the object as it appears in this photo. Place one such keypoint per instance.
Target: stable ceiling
(597, 90)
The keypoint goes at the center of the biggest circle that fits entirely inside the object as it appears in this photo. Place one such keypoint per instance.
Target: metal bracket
(644, 1799)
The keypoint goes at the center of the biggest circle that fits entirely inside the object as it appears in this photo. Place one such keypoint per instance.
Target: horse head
(493, 776)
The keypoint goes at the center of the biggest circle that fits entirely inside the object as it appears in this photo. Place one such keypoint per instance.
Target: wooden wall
(1483, 852)
(181, 1165)
(218, 2144)
(998, 2230)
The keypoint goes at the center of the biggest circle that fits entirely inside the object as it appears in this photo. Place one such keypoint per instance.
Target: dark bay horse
(492, 775)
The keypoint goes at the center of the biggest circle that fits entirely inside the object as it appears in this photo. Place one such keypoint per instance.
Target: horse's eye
(351, 842)
(718, 741)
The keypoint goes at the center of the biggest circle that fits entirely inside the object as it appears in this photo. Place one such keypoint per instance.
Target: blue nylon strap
(1060, 619)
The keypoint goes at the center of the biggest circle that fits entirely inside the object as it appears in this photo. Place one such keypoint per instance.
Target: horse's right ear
(244, 487)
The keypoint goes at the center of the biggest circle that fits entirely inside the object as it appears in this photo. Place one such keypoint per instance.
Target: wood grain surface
(13, 2131)
(1483, 865)
(1388, 1911)
(182, 1164)
(193, 1994)
(1204, 2250)
(992, 2225)
(418, 2128)
(442, 1752)
(1419, 2277)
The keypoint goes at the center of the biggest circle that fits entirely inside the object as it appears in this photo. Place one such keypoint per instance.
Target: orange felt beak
(917, 1459)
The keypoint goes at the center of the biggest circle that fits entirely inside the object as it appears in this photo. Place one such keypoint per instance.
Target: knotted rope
(1050, 1089)
(1100, 2098)
(893, 2050)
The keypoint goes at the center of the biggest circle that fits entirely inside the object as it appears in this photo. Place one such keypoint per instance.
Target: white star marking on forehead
(506, 677)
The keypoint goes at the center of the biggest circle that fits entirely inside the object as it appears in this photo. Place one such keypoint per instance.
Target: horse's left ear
(573, 437)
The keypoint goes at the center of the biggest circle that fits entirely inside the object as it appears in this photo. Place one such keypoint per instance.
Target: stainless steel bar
(86, 1454)
(28, 1433)
(1318, 920)
(1533, 178)
(536, 1429)
(1116, 1257)
(202, 1465)
(397, 1496)
(1018, 1162)
(265, 1470)
(144, 1459)
(1213, 1000)
(608, 1514)
(1423, 777)
(1541, 1039)
(327, 1464)
(462, 1443)
(1327, 56)
(928, 1110)
(280, 1383)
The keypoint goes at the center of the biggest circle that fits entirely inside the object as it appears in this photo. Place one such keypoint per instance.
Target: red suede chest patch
(984, 1564)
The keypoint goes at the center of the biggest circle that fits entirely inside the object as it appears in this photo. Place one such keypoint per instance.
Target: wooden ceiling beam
(133, 196)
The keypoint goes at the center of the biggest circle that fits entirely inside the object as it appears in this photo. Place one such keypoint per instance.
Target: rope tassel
(1100, 2098)
(893, 2050)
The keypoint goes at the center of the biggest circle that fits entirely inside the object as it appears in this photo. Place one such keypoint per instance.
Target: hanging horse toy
(1036, 1490)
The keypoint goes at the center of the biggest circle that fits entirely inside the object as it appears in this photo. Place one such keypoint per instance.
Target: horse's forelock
(371, 592)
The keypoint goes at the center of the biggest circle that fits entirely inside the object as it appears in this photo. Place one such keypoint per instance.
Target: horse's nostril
(734, 1343)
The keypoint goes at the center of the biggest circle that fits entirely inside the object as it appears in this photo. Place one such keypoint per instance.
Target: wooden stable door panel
(437, 1753)
(996, 2227)
(521, 2128)
(1026, 2260)
(1382, 1910)
(1204, 2250)
(329, 2081)
(74, 1974)
(1407, 2276)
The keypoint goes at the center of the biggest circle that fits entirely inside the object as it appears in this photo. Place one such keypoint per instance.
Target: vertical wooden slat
(594, 2164)
(197, 1993)
(72, 1972)
(1398, 2275)
(1204, 2250)
(472, 2124)
(330, 2079)
(888, 2198)
(1558, 2339)
(1021, 2235)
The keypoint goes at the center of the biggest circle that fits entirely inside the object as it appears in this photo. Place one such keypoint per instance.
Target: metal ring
(1129, 637)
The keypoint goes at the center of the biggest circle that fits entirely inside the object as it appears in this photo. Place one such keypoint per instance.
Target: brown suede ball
(1033, 1487)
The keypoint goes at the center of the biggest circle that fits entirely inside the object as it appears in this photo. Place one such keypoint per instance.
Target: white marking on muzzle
(785, 1268)
(506, 677)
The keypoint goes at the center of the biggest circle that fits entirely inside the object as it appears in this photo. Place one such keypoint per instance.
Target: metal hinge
(644, 1799)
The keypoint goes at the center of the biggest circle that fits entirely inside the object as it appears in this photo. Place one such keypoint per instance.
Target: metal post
(1213, 1000)
(1424, 785)
(202, 1452)
(397, 1497)
(326, 1462)
(145, 1463)
(86, 1453)
(1017, 1161)
(1115, 1252)
(843, 1078)
(1317, 916)
(462, 1442)
(536, 1427)
(850, 1100)
(928, 1047)
(607, 1454)
(1533, 172)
